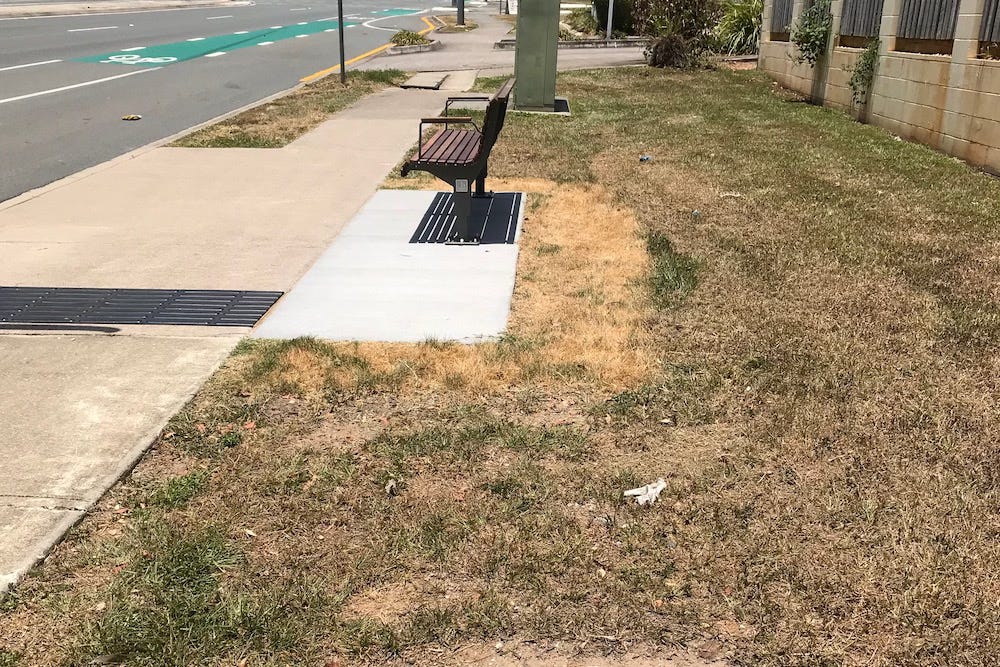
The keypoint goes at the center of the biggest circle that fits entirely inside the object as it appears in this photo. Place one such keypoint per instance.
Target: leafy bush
(738, 31)
(622, 20)
(672, 51)
(408, 38)
(811, 33)
(692, 19)
(582, 20)
(864, 72)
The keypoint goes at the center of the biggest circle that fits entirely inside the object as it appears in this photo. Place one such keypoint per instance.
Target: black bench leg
(463, 211)
(481, 185)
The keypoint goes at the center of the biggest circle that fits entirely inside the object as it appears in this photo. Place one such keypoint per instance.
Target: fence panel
(781, 19)
(928, 19)
(862, 18)
(990, 30)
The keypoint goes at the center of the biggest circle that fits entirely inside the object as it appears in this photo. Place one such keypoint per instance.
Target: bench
(458, 156)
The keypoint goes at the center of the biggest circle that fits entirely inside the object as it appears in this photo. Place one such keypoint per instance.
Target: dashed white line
(196, 39)
(303, 22)
(264, 43)
(299, 9)
(78, 85)
(134, 48)
(104, 27)
(213, 18)
(43, 62)
(276, 27)
(215, 55)
(300, 36)
(241, 32)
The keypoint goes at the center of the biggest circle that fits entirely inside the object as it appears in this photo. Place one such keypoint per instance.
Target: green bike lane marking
(197, 47)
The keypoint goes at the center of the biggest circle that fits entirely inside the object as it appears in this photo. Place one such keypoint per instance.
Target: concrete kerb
(66, 8)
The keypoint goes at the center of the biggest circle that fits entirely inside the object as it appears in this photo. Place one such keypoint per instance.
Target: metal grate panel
(861, 18)
(928, 19)
(495, 218)
(781, 17)
(81, 305)
(989, 30)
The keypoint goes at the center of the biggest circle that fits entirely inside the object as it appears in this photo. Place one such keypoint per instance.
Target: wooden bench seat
(459, 156)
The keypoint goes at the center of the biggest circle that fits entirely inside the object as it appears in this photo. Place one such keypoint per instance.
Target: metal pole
(461, 12)
(611, 14)
(340, 19)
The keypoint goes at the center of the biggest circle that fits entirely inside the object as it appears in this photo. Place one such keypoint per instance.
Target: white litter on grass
(647, 495)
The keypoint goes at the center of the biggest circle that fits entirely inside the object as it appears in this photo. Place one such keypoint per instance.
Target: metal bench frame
(459, 157)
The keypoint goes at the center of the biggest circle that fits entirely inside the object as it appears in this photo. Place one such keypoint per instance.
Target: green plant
(864, 72)
(408, 38)
(811, 32)
(672, 50)
(582, 20)
(692, 19)
(738, 31)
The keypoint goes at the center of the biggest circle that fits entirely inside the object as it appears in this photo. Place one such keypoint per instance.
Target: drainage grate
(495, 218)
(80, 305)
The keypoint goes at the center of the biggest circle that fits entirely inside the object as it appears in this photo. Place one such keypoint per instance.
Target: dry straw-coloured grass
(577, 317)
(279, 122)
(809, 363)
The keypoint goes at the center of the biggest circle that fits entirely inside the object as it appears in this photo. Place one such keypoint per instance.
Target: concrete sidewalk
(78, 407)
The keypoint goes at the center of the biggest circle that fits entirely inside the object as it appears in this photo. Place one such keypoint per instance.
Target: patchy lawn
(279, 122)
(789, 317)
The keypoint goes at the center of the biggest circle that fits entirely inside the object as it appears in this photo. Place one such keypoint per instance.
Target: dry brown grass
(809, 365)
(282, 120)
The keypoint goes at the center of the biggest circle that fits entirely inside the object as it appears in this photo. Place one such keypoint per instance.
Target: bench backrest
(496, 112)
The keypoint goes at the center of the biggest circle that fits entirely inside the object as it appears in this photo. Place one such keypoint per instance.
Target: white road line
(276, 27)
(264, 43)
(44, 62)
(196, 39)
(215, 55)
(212, 18)
(133, 48)
(78, 85)
(303, 22)
(105, 27)
(299, 9)
(241, 32)
(300, 36)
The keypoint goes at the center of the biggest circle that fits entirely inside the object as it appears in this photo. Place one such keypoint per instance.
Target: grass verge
(279, 122)
(787, 316)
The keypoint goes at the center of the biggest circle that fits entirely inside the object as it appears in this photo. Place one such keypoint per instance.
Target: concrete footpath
(78, 404)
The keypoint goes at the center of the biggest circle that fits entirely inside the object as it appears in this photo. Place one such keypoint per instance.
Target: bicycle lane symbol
(136, 59)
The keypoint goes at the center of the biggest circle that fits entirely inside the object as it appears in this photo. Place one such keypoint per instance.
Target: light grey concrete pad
(78, 410)
(373, 285)
(28, 534)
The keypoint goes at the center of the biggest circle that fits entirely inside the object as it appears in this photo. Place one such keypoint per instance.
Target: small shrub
(692, 19)
(864, 72)
(672, 51)
(811, 33)
(582, 20)
(738, 31)
(408, 38)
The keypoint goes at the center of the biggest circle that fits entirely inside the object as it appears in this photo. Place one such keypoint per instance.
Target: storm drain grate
(494, 219)
(81, 305)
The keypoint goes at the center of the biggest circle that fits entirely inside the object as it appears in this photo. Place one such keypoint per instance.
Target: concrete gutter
(63, 8)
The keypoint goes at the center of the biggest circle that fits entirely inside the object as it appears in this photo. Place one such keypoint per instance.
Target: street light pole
(611, 14)
(461, 12)
(340, 31)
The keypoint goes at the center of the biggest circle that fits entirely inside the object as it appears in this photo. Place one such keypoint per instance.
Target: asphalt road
(66, 81)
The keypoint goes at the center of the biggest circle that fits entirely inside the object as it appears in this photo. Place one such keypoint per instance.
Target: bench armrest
(447, 119)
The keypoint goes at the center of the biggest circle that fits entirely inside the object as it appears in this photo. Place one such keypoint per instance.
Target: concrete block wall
(950, 102)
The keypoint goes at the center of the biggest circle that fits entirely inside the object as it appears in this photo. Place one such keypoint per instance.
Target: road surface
(66, 81)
